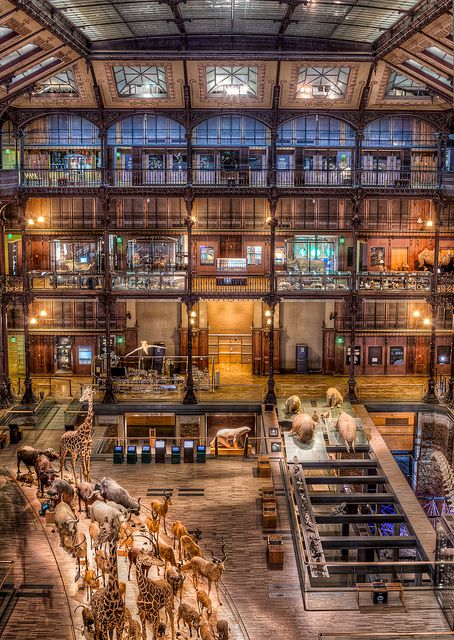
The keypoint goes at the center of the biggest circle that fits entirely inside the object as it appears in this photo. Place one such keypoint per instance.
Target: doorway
(230, 335)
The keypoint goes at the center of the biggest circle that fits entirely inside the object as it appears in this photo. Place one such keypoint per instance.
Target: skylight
(401, 86)
(62, 82)
(36, 68)
(323, 82)
(232, 81)
(440, 54)
(6, 33)
(143, 82)
(16, 56)
(429, 72)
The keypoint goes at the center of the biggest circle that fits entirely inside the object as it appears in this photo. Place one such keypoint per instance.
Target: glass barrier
(287, 283)
(7, 585)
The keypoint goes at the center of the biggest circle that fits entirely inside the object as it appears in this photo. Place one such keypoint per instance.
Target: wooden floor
(224, 502)
(237, 382)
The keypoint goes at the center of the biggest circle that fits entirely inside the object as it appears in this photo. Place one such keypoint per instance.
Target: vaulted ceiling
(140, 54)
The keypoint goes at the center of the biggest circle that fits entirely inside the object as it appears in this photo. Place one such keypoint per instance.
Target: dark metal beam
(368, 542)
(53, 20)
(216, 47)
(341, 464)
(358, 518)
(423, 14)
(345, 479)
(319, 497)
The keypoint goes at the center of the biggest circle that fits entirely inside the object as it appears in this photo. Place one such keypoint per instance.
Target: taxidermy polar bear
(293, 405)
(334, 398)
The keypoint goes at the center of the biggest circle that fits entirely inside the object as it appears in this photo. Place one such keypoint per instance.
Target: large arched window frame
(146, 130)
(315, 150)
(399, 151)
(61, 129)
(231, 130)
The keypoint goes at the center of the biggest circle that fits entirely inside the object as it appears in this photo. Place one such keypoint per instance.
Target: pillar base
(270, 397)
(4, 400)
(28, 397)
(109, 396)
(351, 393)
(189, 396)
(9, 392)
(430, 396)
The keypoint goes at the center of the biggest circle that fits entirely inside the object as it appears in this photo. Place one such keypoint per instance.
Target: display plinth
(225, 451)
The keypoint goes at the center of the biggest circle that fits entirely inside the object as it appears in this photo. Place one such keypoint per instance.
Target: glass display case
(152, 254)
(76, 255)
(311, 254)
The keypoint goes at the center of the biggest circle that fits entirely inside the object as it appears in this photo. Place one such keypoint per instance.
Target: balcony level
(37, 181)
(148, 284)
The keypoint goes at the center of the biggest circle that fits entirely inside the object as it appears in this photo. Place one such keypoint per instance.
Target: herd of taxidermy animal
(303, 426)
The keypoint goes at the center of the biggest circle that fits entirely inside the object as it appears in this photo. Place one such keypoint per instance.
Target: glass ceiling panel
(322, 82)
(62, 82)
(232, 81)
(357, 20)
(16, 56)
(143, 82)
(429, 72)
(440, 54)
(401, 86)
(36, 68)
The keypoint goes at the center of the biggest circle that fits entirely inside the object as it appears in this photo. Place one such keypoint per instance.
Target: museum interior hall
(226, 319)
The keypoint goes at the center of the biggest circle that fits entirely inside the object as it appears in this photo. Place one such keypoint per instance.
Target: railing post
(431, 395)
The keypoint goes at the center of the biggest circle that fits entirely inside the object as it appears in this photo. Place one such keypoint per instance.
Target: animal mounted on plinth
(333, 398)
(161, 508)
(293, 405)
(230, 438)
(347, 429)
(303, 427)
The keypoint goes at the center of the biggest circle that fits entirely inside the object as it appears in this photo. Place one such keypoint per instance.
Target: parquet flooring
(269, 601)
(238, 383)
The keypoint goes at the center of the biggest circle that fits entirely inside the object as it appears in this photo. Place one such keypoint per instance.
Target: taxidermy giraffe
(107, 604)
(78, 443)
(153, 596)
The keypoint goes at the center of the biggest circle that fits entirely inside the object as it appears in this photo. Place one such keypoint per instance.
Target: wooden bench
(369, 587)
(269, 515)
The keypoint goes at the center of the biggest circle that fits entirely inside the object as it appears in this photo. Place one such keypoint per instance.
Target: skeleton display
(230, 438)
(311, 537)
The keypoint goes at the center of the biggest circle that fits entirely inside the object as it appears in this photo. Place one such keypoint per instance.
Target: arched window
(399, 131)
(316, 131)
(146, 130)
(61, 129)
(231, 130)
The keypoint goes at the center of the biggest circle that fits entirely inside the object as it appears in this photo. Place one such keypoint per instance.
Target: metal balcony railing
(397, 179)
(394, 281)
(152, 282)
(289, 283)
(51, 280)
(231, 283)
(313, 177)
(30, 177)
(241, 177)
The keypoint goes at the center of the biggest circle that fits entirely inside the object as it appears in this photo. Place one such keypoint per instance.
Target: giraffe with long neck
(153, 596)
(107, 604)
(78, 443)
